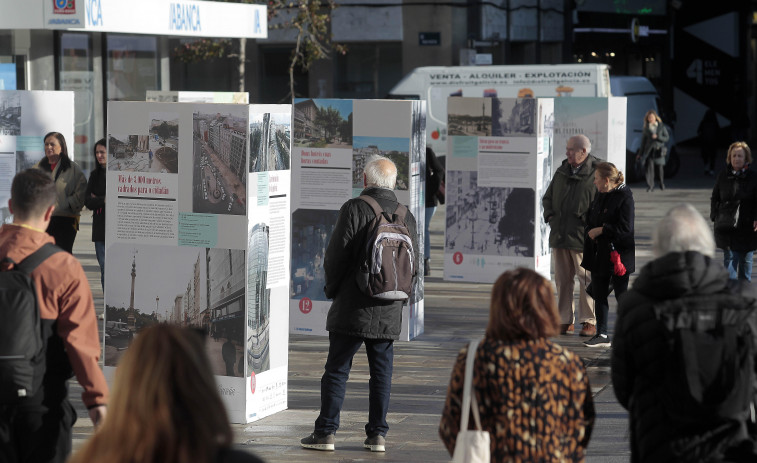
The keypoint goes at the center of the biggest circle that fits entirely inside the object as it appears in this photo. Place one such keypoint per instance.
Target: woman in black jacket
(733, 210)
(94, 199)
(434, 197)
(609, 227)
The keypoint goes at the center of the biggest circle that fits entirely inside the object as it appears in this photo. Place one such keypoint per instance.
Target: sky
(162, 271)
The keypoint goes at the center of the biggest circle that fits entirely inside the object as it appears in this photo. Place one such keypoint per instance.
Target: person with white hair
(680, 365)
(356, 318)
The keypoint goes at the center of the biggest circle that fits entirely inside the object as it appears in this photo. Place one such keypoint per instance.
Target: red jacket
(67, 312)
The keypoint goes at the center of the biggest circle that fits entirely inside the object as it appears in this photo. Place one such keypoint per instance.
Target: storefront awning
(155, 17)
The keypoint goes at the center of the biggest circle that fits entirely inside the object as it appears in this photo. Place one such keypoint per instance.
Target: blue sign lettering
(94, 12)
(257, 28)
(184, 17)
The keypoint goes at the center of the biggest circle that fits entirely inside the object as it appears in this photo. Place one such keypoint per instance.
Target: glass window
(367, 70)
(133, 67)
(76, 74)
(8, 79)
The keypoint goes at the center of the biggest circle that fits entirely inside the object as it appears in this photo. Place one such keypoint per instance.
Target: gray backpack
(386, 265)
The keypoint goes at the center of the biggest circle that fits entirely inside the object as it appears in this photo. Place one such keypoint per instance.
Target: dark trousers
(342, 349)
(64, 229)
(36, 433)
(653, 169)
(601, 287)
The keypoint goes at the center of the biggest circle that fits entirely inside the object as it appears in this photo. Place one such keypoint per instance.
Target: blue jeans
(738, 264)
(426, 236)
(342, 349)
(100, 253)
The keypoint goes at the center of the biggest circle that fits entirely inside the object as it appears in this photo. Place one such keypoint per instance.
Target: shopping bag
(472, 445)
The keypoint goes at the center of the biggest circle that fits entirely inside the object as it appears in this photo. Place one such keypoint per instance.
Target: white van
(436, 83)
(641, 96)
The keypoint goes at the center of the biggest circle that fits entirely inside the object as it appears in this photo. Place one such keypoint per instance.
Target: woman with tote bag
(532, 395)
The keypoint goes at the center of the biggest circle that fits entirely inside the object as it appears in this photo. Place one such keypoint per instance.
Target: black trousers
(64, 229)
(36, 432)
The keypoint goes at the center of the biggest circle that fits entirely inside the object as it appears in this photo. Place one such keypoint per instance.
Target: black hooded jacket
(638, 365)
(352, 312)
(614, 211)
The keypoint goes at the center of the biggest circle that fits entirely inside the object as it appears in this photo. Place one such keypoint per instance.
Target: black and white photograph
(27, 159)
(311, 232)
(488, 220)
(543, 225)
(220, 163)
(418, 131)
(513, 117)
(10, 114)
(258, 299)
(469, 117)
(195, 287)
(396, 149)
(322, 123)
(270, 142)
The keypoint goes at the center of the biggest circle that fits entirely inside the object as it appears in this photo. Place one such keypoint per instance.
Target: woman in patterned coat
(533, 395)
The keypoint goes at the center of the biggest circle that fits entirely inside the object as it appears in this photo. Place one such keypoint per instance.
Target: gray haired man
(688, 398)
(355, 318)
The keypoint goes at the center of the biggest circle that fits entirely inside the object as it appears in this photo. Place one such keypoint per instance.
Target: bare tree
(310, 19)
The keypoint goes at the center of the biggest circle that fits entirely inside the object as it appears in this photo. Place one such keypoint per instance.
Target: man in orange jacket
(38, 429)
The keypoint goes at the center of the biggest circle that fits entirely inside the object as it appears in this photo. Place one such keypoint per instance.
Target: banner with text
(181, 213)
(333, 139)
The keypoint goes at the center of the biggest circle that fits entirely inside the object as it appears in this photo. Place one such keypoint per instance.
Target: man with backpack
(36, 420)
(370, 265)
(683, 359)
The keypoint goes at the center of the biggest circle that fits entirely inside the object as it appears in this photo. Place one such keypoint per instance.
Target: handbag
(472, 446)
(441, 192)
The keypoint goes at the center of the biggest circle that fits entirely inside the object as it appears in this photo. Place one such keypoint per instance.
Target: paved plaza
(455, 313)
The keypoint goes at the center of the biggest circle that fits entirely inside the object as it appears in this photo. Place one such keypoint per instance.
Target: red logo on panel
(64, 6)
(253, 382)
(306, 305)
(457, 258)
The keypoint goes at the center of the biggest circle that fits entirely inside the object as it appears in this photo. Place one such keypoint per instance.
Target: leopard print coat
(534, 399)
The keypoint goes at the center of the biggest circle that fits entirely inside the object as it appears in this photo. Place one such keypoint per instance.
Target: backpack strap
(401, 210)
(33, 260)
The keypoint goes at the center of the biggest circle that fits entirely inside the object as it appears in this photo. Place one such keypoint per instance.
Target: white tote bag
(472, 446)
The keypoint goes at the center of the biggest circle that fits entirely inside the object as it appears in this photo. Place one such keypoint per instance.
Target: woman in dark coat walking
(94, 199)
(609, 227)
(434, 179)
(733, 210)
(654, 135)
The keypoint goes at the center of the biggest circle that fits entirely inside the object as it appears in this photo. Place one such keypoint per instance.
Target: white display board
(168, 96)
(332, 140)
(25, 117)
(498, 167)
(603, 120)
(195, 238)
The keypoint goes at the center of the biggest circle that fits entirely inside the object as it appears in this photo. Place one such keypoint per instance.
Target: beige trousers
(567, 265)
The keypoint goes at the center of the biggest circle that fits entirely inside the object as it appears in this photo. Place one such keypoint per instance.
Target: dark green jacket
(566, 204)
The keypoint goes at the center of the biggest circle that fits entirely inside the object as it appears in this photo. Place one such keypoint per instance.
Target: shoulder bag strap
(37, 257)
(377, 209)
(468, 392)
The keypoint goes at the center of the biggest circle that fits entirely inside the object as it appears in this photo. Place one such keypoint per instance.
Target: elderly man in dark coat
(356, 318)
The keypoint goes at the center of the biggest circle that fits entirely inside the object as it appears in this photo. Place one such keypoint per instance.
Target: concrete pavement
(455, 313)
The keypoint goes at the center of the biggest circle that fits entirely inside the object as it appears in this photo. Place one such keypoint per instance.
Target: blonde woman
(165, 406)
(609, 227)
(733, 211)
(652, 151)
